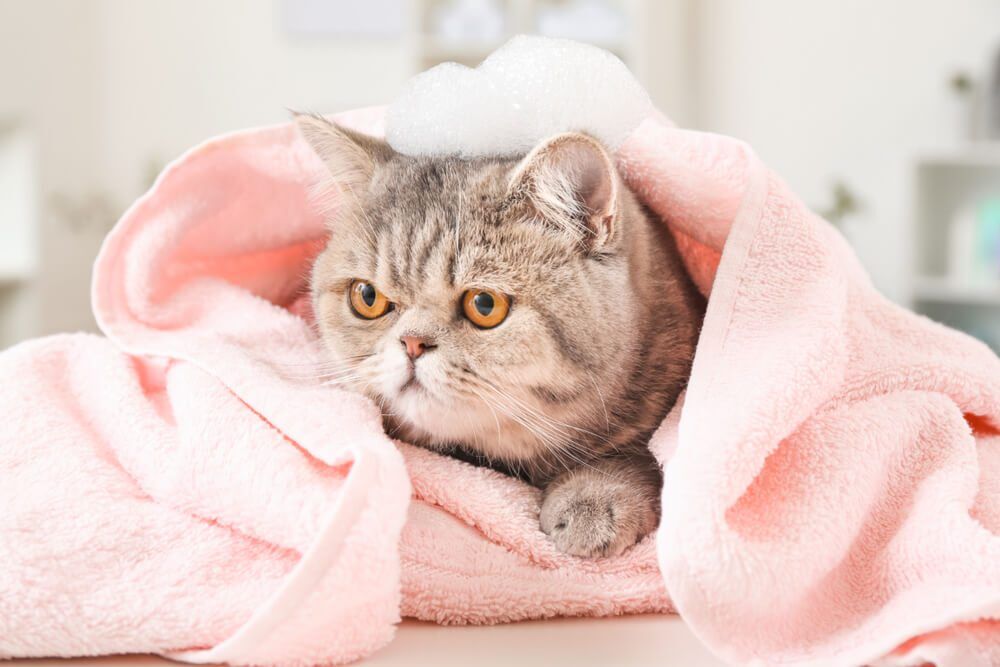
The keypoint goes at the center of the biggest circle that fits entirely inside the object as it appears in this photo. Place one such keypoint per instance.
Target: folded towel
(835, 488)
(184, 487)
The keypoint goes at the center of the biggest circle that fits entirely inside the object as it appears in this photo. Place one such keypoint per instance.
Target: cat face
(481, 303)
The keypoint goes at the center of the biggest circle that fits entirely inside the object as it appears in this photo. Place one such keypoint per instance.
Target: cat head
(484, 303)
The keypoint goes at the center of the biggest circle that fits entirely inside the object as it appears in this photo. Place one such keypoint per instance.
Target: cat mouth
(412, 384)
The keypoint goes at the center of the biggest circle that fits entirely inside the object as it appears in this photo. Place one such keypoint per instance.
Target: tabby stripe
(555, 329)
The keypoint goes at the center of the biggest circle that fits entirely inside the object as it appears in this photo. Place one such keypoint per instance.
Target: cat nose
(416, 345)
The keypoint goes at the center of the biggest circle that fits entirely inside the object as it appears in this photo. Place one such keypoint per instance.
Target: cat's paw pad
(584, 523)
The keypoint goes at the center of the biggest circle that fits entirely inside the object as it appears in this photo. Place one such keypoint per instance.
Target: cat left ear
(571, 182)
(351, 157)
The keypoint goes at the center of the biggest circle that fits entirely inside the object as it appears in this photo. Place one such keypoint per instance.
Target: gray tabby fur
(597, 346)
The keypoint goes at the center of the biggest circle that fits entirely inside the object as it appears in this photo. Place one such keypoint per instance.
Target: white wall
(848, 89)
(47, 72)
(178, 72)
(670, 46)
(108, 89)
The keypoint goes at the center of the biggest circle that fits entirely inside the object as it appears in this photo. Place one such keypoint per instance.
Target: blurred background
(884, 116)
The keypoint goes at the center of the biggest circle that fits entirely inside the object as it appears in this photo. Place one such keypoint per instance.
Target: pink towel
(184, 487)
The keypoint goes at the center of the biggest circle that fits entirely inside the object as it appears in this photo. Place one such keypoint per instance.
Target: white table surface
(631, 641)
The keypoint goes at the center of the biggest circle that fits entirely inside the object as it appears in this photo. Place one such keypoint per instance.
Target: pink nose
(415, 345)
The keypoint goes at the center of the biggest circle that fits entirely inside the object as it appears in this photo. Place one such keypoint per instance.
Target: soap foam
(527, 90)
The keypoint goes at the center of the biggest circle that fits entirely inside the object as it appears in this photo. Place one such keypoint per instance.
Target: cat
(524, 312)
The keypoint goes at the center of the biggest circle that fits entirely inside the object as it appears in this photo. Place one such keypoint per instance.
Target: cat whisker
(338, 375)
(320, 371)
(308, 364)
(554, 443)
(557, 444)
(550, 435)
(600, 395)
(322, 377)
(496, 417)
(554, 422)
(342, 382)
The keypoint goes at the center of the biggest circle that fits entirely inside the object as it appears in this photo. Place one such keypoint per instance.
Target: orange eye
(367, 301)
(484, 308)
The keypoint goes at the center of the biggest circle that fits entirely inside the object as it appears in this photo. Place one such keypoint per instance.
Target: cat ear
(570, 181)
(351, 157)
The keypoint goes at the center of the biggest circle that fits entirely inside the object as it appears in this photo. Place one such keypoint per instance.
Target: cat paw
(588, 516)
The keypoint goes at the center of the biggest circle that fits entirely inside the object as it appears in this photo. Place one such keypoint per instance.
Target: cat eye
(484, 308)
(366, 301)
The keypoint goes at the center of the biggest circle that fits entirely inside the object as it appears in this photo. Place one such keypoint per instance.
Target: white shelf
(12, 279)
(946, 182)
(18, 207)
(947, 291)
(435, 48)
(978, 154)
(521, 16)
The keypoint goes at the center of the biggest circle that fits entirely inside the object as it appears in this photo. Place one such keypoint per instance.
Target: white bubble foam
(527, 90)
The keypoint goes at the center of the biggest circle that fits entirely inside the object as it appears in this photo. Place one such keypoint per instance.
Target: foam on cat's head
(527, 90)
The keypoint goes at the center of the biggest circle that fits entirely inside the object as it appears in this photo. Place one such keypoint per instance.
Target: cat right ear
(351, 156)
(570, 181)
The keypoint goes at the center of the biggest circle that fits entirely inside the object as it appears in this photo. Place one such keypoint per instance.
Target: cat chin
(421, 410)
(429, 418)
(469, 424)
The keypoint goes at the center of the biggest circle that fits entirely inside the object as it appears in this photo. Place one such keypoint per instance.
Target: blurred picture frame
(375, 19)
